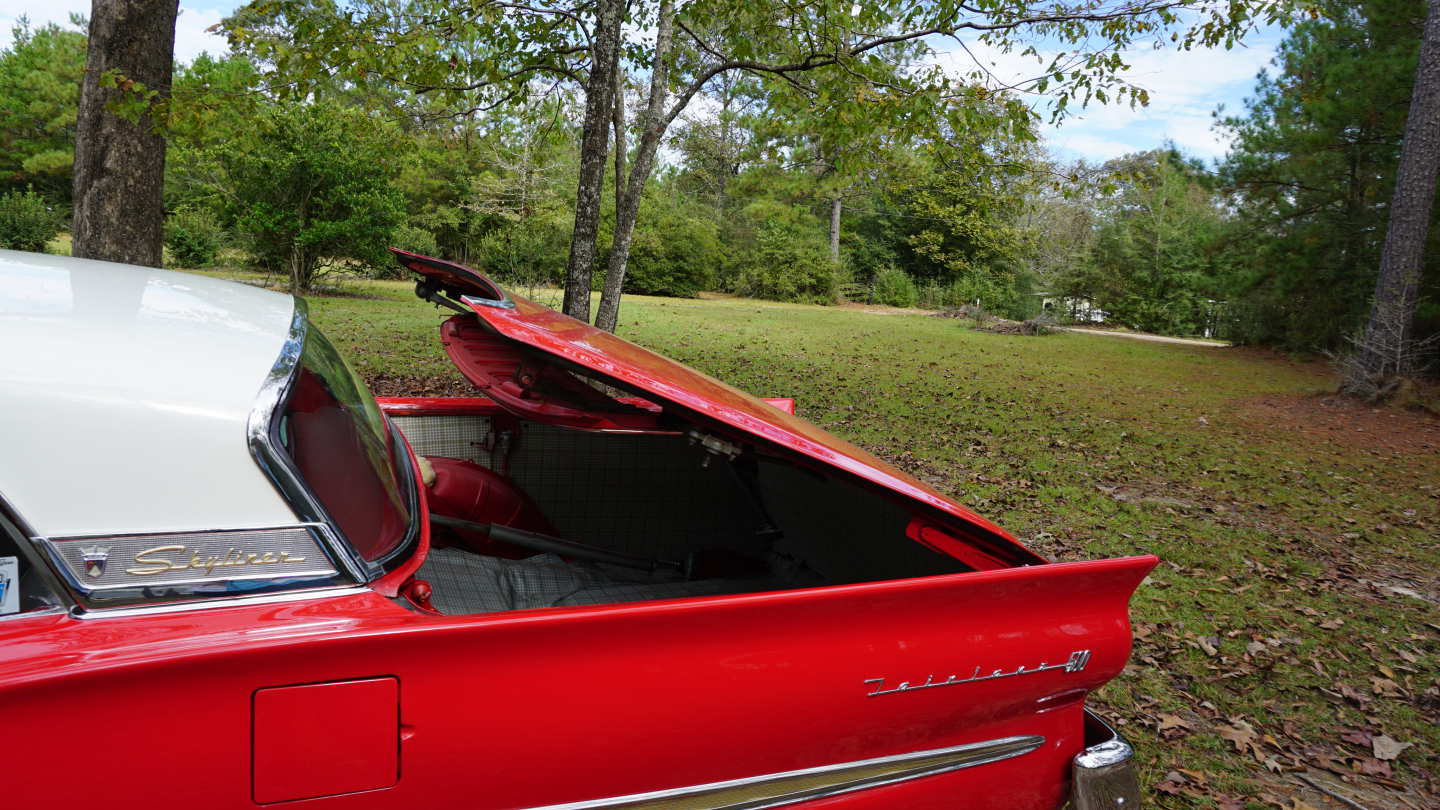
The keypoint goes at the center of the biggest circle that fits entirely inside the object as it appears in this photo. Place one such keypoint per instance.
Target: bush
(311, 189)
(529, 252)
(27, 222)
(673, 255)
(894, 288)
(787, 265)
(193, 238)
(413, 239)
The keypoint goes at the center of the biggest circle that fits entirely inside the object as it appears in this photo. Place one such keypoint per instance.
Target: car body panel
(138, 378)
(542, 707)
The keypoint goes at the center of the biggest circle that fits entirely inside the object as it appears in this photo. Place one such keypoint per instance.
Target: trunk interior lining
(660, 497)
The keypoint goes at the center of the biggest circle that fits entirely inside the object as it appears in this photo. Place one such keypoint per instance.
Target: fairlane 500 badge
(158, 560)
(1076, 662)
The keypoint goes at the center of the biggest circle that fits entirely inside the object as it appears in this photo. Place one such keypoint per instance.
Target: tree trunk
(119, 164)
(835, 229)
(594, 148)
(653, 129)
(1387, 349)
(619, 142)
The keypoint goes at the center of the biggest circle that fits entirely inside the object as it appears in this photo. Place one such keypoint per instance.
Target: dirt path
(1215, 344)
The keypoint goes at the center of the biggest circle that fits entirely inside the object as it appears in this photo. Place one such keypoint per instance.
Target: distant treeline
(1277, 244)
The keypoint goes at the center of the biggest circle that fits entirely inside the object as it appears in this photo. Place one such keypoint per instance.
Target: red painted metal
(326, 739)
(468, 406)
(700, 396)
(449, 276)
(534, 389)
(546, 706)
(470, 492)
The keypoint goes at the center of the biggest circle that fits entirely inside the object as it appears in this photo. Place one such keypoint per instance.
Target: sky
(1185, 89)
(1185, 86)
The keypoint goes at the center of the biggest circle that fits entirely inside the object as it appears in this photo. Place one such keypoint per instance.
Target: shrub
(311, 189)
(673, 255)
(787, 265)
(413, 239)
(529, 252)
(894, 288)
(27, 222)
(193, 237)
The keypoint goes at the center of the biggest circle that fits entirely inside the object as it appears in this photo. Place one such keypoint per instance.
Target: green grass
(1278, 539)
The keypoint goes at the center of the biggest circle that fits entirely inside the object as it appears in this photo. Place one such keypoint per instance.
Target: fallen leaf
(1386, 687)
(1385, 747)
(1357, 736)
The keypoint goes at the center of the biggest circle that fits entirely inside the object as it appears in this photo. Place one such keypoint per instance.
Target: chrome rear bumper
(1103, 775)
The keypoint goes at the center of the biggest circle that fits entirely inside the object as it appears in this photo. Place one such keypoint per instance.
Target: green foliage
(894, 288)
(311, 188)
(674, 253)
(789, 265)
(529, 251)
(193, 237)
(1155, 263)
(39, 95)
(1313, 169)
(415, 240)
(212, 105)
(27, 221)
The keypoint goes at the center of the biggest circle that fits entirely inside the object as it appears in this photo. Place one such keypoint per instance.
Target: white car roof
(124, 397)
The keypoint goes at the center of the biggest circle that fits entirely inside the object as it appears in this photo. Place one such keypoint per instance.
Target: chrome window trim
(24, 536)
(261, 430)
(955, 757)
(274, 461)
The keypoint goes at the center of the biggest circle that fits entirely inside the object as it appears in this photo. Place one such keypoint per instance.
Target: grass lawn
(1293, 625)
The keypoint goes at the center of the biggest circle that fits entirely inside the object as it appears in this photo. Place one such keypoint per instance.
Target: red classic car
(231, 577)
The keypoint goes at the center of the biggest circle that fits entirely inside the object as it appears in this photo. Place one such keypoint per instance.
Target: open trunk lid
(518, 353)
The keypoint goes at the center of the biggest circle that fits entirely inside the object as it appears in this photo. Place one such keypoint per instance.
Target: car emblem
(95, 558)
(1078, 660)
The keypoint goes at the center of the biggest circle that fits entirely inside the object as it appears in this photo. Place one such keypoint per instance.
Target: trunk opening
(710, 516)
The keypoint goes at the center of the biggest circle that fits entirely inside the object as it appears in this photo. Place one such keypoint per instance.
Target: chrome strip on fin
(790, 787)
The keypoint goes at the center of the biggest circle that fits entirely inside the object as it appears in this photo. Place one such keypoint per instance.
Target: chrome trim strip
(505, 302)
(791, 787)
(276, 463)
(225, 602)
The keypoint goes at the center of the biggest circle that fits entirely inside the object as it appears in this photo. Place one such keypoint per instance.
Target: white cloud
(1185, 87)
(190, 37)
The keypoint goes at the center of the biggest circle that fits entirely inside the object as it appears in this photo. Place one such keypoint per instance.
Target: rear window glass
(340, 443)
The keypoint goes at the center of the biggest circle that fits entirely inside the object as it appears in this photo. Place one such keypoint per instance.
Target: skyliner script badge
(1077, 661)
(155, 561)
